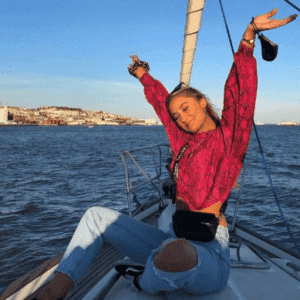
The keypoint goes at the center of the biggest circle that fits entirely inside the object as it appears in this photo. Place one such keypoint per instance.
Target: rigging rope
(261, 150)
(227, 29)
(291, 4)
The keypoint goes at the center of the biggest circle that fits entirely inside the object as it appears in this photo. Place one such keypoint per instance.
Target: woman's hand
(140, 71)
(263, 22)
(134, 59)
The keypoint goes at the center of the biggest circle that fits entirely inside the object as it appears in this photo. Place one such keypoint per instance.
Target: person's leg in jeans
(134, 238)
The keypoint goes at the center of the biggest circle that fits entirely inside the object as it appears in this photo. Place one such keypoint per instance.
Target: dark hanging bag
(269, 49)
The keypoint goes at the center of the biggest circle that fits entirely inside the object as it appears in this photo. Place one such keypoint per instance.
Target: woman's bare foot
(58, 288)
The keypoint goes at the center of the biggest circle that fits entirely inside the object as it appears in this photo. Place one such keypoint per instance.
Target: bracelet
(132, 69)
(255, 28)
(251, 42)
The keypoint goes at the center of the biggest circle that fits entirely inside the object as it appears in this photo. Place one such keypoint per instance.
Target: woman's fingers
(291, 18)
(263, 22)
(282, 22)
(266, 16)
(272, 13)
(134, 57)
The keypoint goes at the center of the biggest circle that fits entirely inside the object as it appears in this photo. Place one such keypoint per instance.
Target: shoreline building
(3, 114)
(151, 121)
(293, 123)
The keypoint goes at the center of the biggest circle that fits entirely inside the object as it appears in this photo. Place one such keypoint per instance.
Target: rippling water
(51, 175)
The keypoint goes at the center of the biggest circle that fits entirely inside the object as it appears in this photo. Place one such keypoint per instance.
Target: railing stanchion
(159, 160)
(158, 171)
(127, 183)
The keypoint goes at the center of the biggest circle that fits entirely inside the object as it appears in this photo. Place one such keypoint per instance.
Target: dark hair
(196, 94)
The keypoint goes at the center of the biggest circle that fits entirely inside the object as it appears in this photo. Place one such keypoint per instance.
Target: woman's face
(188, 113)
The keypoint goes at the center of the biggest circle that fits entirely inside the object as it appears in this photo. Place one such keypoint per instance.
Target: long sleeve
(156, 95)
(239, 102)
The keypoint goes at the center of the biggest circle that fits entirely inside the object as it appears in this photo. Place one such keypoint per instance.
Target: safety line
(291, 4)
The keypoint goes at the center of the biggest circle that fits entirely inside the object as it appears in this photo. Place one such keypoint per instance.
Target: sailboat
(260, 268)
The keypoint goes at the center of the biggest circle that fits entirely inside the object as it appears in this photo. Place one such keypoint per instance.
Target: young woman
(207, 170)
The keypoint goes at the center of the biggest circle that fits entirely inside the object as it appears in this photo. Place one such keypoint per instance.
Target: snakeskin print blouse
(211, 165)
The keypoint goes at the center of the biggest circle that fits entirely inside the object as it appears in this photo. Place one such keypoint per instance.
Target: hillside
(52, 115)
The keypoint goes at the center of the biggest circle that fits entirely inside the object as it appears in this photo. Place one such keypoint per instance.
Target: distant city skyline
(124, 115)
(75, 53)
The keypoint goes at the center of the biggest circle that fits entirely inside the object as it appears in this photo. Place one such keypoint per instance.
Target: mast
(192, 27)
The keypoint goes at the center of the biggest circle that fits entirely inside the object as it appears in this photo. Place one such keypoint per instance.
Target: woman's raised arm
(156, 94)
(241, 86)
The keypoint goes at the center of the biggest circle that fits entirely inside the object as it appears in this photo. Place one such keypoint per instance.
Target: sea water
(51, 175)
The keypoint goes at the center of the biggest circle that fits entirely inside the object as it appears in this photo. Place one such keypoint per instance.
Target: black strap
(136, 283)
(255, 28)
(175, 169)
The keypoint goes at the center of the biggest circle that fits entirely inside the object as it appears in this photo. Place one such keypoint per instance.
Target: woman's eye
(185, 108)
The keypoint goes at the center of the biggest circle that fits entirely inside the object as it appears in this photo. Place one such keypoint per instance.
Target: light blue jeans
(141, 242)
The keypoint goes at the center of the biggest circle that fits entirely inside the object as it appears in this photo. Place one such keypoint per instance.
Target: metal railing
(150, 180)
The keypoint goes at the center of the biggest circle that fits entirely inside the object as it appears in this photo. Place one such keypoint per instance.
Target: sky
(75, 53)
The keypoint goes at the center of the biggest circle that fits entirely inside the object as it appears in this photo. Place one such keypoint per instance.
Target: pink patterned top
(211, 165)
